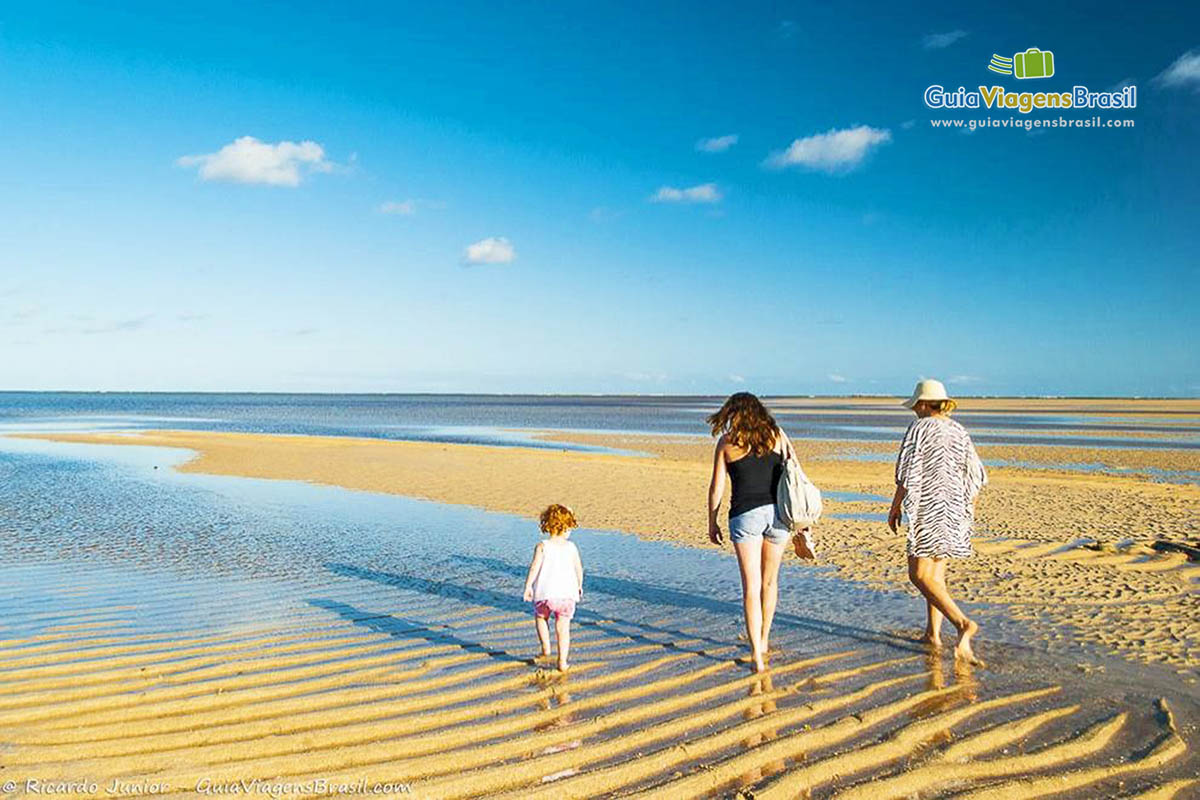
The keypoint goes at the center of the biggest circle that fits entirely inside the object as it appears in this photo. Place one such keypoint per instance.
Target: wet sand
(446, 700)
(1071, 549)
(364, 685)
(1186, 406)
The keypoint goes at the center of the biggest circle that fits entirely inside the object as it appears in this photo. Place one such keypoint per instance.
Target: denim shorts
(758, 523)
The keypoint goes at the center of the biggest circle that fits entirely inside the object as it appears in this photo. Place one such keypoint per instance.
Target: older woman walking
(749, 453)
(938, 478)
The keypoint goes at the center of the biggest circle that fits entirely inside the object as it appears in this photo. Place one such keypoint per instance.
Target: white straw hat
(928, 389)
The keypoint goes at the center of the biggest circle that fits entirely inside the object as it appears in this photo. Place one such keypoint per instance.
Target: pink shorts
(562, 609)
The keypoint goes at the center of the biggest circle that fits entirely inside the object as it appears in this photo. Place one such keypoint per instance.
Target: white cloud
(646, 377)
(602, 214)
(248, 160)
(832, 151)
(118, 325)
(835, 378)
(493, 250)
(25, 312)
(404, 208)
(704, 193)
(936, 41)
(737, 379)
(1184, 72)
(717, 144)
(410, 206)
(908, 124)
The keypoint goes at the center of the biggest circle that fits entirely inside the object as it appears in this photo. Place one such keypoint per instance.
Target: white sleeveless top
(556, 579)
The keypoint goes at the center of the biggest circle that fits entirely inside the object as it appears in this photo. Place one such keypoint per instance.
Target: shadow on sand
(617, 587)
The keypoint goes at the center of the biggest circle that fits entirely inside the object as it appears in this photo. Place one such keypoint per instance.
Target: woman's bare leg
(923, 574)
(562, 633)
(933, 628)
(749, 555)
(772, 556)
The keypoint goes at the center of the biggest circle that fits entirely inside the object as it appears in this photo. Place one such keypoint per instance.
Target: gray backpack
(797, 499)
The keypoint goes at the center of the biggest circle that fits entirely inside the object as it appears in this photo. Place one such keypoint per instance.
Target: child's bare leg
(749, 555)
(772, 556)
(543, 632)
(562, 632)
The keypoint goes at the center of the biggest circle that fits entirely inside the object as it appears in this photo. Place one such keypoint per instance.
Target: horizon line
(811, 396)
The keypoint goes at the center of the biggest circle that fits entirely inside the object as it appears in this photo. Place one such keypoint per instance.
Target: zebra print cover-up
(941, 474)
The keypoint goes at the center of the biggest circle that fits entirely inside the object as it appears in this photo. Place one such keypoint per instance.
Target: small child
(555, 581)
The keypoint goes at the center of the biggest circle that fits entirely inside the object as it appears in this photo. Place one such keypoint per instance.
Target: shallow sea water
(100, 541)
(512, 419)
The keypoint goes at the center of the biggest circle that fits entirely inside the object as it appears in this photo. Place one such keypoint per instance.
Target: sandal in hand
(802, 541)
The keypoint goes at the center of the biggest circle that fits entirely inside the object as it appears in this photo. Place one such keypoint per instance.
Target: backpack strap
(788, 450)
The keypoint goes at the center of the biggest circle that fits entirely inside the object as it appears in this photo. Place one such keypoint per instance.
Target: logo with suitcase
(1033, 63)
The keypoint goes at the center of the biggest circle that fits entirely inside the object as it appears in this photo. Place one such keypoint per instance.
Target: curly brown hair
(746, 423)
(557, 520)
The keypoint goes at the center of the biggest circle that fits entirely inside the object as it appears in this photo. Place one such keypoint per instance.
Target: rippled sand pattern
(394, 678)
(1037, 525)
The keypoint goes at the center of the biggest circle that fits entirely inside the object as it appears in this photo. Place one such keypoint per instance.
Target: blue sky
(507, 199)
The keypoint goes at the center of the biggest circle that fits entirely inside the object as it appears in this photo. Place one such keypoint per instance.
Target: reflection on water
(962, 676)
(762, 692)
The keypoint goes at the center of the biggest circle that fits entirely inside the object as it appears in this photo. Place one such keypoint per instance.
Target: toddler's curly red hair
(557, 520)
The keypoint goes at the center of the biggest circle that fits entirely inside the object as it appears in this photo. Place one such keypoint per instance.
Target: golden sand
(318, 701)
(644, 714)
(1068, 548)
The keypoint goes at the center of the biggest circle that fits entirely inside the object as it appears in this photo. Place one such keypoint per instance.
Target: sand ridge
(1066, 548)
(402, 688)
(647, 714)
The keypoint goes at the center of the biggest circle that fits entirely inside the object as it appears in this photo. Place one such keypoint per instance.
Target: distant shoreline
(571, 395)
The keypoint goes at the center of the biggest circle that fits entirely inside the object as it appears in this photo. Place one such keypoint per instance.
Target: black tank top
(754, 480)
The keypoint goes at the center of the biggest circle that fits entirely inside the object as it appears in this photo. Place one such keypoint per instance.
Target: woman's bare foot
(933, 639)
(563, 666)
(963, 649)
(759, 661)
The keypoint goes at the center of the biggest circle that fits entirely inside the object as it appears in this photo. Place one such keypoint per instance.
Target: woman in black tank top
(754, 479)
(749, 454)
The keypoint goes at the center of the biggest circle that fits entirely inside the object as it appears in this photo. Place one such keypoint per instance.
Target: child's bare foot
(963, 649)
